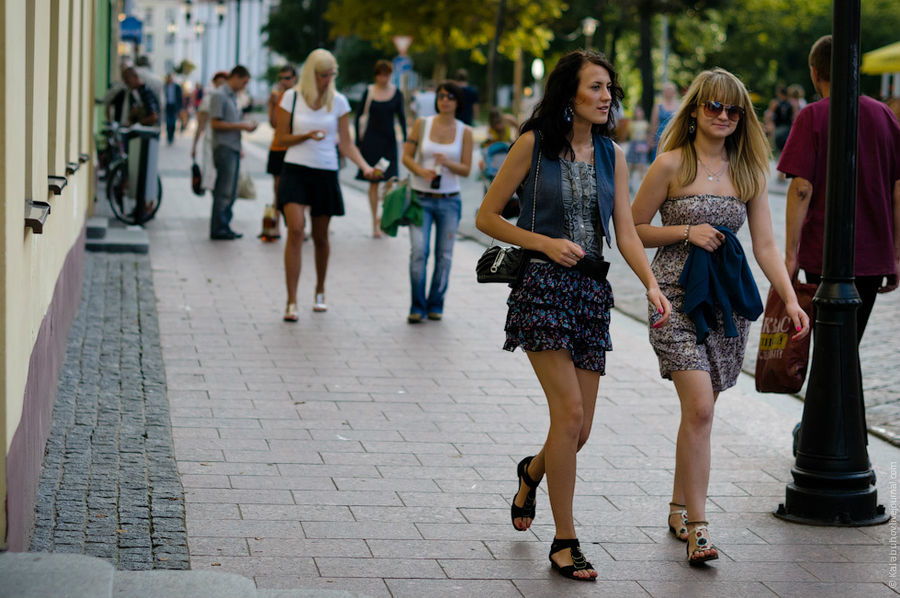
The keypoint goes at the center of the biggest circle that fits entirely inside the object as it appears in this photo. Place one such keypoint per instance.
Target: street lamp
(537, 73)
(221, 10)
(834, 483)
(588, 27)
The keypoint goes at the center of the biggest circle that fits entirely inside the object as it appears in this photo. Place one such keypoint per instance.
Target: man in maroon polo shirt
(877, 259)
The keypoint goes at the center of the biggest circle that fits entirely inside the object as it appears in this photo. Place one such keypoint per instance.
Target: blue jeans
(171, 121)
(228, 163)
(444, 212)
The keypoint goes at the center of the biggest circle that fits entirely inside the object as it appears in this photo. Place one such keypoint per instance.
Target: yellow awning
(882, 60)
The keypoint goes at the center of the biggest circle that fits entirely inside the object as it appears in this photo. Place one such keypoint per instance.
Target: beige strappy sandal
(698, 541)
(680, 533)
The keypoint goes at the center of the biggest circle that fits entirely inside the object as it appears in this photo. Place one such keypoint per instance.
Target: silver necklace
(713, 175)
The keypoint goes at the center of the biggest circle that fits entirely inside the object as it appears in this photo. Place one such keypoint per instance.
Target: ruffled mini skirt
(557, 308)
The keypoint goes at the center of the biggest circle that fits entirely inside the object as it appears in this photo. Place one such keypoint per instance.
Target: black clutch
(501, 264)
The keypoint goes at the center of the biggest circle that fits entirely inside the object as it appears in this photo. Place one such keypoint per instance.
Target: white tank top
(452, 151)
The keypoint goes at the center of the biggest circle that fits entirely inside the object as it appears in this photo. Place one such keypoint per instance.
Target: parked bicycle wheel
(120, 193)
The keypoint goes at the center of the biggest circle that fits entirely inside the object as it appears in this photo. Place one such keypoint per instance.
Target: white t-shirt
(314, 153)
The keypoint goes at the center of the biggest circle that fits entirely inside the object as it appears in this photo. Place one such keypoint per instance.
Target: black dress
(380, 140)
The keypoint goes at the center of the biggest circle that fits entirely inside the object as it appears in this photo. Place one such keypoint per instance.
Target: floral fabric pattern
(559, 308)
(675, 343)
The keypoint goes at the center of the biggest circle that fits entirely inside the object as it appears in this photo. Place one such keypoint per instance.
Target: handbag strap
(293, 106)
(537, 174)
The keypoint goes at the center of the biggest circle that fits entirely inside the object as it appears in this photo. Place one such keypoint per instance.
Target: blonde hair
(747, 147)
(319, 60)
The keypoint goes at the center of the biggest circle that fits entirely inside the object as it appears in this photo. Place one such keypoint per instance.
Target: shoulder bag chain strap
(537, 174)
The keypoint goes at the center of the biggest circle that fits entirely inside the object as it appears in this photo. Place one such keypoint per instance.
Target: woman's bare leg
(293, 221)
(322, 249)
(563, 385)
(373, 204)
(692, 452)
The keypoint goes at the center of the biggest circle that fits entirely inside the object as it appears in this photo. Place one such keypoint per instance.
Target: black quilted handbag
(500, 264)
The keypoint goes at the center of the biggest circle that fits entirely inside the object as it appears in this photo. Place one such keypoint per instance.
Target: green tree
(443, 27)
(293, 29)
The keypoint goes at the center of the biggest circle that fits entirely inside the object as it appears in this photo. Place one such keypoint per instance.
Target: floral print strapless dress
(675, 343)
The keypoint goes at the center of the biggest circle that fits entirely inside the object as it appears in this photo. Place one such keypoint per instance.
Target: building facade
(214, 35)
(47, 69)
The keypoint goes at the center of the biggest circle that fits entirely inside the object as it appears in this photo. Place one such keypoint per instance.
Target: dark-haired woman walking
(574, 181)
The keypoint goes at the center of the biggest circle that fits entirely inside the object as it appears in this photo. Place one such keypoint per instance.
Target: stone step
(96, 227)
(131, 239)
(41, 574)
(305, 594)
(59, 575)
(172, 584)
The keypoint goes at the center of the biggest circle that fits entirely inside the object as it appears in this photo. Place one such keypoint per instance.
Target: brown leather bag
(781, 363)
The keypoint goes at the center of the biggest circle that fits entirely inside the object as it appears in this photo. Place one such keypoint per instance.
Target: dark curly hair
(562, 85)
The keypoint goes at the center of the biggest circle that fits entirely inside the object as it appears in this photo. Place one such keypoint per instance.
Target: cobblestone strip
(109, 486)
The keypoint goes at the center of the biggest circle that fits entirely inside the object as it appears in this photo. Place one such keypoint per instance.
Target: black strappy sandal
(527, 510)
(580, 563)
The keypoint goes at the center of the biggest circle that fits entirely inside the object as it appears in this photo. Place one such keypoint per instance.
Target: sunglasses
(446, 96)
(713, 109)
(286, 77)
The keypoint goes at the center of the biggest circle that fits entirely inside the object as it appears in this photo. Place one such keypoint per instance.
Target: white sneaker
(319, 305)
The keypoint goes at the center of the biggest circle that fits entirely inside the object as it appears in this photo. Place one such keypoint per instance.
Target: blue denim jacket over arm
(549, 218)
(719, 280)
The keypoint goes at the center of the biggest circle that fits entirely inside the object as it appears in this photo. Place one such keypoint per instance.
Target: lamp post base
(816, 506)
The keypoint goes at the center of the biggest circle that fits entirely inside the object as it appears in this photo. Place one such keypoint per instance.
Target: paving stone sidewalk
(109, 487)
(354, 451)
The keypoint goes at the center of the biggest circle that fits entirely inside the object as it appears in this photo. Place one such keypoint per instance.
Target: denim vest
(549, 218)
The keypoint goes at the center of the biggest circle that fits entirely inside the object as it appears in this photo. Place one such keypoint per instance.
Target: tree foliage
(292, 29)
(764, 42)
(444, 27)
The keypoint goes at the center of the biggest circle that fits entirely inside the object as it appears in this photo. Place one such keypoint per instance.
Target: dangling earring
(568, 114)
(692, 126)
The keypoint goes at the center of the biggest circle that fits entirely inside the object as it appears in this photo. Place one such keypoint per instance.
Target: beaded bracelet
(687, 232)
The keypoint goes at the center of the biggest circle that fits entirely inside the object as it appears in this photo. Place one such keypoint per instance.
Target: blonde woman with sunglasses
(709, 178)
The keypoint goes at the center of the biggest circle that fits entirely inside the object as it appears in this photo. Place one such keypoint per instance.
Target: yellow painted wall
(45, 100)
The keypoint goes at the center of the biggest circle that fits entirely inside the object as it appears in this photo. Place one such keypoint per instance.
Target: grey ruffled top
(579, 195)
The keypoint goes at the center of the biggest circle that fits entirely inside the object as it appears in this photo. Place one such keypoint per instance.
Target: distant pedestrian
(573, 179)
(227, 123)
(797, 97)
(805, 160)
(780, 116)
(708, 179)
(437, 152)
(502, 128)
(312, 119)
(141, 107)
(203, 137)
(174, 103)
(145, 72)
(661, 115)
(469, 101)
(287, 79)
(423, 102)
(638, 156)
(381, 103)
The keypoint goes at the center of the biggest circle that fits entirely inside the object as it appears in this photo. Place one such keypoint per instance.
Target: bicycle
(121, 191)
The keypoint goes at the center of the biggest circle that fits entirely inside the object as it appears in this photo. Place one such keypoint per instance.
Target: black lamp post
(834, 483)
